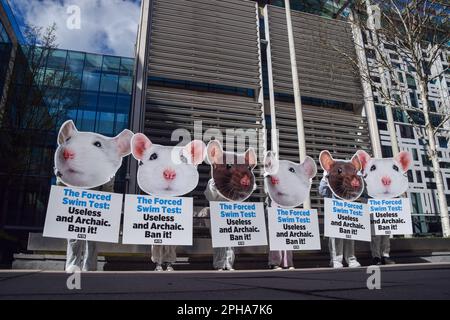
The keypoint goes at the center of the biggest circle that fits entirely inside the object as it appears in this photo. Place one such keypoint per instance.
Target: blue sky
(107, 26)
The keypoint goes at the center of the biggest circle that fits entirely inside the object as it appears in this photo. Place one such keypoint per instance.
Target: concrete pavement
(412, 281)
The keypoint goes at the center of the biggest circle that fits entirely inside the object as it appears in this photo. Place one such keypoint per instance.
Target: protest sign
(346, 220)
(83, 214)
(237, 224)
(293, 229)
(157, 220)
(391, 216)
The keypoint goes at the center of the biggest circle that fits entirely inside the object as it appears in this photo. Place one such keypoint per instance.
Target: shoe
(73, 269)
(275, 267)
(336, 265)
(220, 269)
(387, 261)
(376, 261)
(353, 263)
(230, 269)
(169, 267)
(159, 268)
(291, 268)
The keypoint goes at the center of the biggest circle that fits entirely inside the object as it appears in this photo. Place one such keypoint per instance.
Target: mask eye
(395, 167)
(97, 144)
(292, 170)
(68, 139)
(183, 159)
(339, 171)
(373, 168)
(154, 156)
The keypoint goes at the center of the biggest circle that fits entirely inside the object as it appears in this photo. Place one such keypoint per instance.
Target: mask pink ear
(139, 144)
(250, 157)
(404, 159)
(271, 163)
(356, 163)
(214, 152)
(123, 141)
(195, 151)
(310, 167)
(66, 131)
(363, 157)
(326, 160)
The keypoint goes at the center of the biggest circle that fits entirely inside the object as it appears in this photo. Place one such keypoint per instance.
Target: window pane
(75, 61)
(121, 122)
(125, 84)
(87, 120)
(93, 62)
(91, 81)
(57, 59)
(109, 83)
(123, 104)
(106, 102)
(105, 123)
(111, 65)
(72, 80)
(88, 100)
(127, 67)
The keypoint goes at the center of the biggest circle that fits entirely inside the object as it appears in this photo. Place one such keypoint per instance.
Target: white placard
(237, 224)
(391, 216)
(157, 220)
(293, 229)
(74, 213)
(346, 220)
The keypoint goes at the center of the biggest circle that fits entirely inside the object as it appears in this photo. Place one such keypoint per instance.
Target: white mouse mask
(385, 178)
(167, 171)
(288, 183)
(87, 159)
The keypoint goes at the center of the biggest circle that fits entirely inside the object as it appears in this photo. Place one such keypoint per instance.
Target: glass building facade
(95, 90)
(51, 86)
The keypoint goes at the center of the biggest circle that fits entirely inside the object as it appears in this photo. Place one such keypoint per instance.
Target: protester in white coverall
(223, 258)
(82, 254)
(381, 249)
(164, 255)
(279, 259)
(340, 249)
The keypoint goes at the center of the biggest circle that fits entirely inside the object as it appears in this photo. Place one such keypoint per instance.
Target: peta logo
(74, 17)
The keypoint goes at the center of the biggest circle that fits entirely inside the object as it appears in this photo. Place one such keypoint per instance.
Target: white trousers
(341, 249)
(164, 254)
(281, 258)
(223, 258)
(380, 246)
(81, 254)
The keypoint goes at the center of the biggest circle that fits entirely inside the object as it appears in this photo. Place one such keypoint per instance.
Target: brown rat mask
(343, 178)
(232, 173)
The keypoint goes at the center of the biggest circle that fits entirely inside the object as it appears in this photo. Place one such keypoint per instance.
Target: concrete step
(141, 262)
(49, 254)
